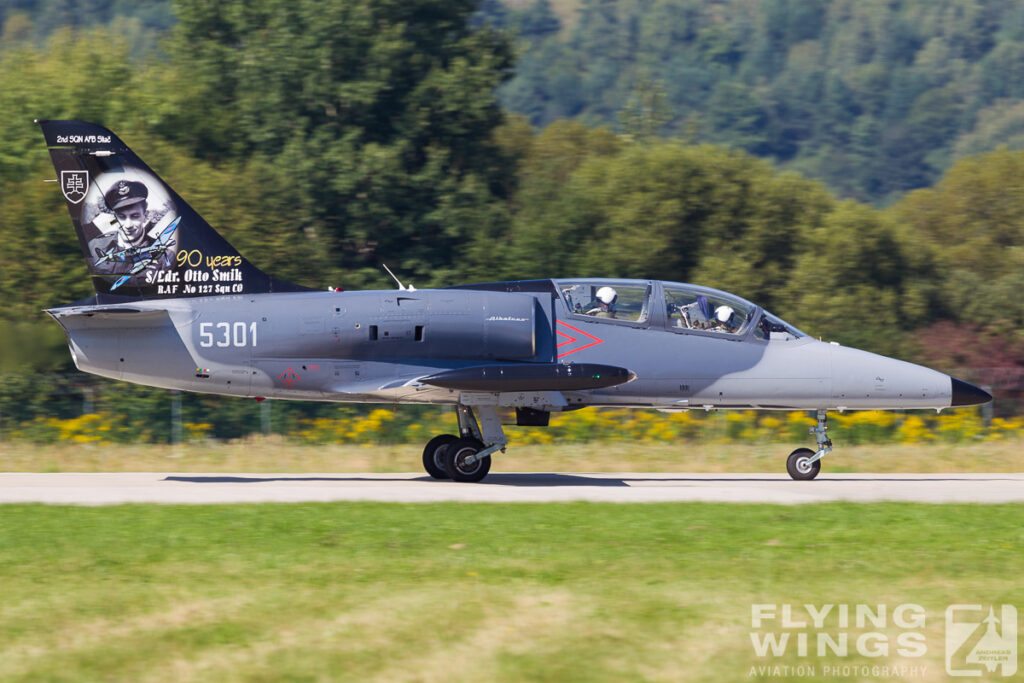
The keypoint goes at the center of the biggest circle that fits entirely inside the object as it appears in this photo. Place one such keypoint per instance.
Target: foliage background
(851, 166)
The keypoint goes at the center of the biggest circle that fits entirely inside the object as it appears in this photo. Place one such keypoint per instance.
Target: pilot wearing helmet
(725, 319)
(606, 297)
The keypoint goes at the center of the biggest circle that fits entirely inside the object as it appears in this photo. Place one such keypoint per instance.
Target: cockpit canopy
(688, 308)
(625, 300)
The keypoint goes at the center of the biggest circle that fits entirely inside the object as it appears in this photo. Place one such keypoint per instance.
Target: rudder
(138, 236)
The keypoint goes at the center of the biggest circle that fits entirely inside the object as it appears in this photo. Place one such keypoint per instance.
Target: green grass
(365, 591)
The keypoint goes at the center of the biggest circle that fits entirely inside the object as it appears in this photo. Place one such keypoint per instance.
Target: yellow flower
(913, 430)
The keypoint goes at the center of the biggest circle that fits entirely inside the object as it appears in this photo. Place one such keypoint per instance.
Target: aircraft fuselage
(375, 346)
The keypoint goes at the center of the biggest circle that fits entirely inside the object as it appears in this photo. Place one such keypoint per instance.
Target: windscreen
(770, 327)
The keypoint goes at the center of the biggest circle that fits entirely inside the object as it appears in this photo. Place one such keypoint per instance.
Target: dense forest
(36, 19)
(873, 97)
(325, 139)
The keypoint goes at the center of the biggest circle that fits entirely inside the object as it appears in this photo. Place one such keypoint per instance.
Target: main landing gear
(467, 457)
(803, 463)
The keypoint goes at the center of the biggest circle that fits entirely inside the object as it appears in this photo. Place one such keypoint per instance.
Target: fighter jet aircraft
(212, 322)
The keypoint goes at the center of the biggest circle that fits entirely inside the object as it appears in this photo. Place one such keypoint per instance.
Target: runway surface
(109, 489)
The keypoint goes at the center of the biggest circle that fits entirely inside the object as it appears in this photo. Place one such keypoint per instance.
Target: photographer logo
(980, 643)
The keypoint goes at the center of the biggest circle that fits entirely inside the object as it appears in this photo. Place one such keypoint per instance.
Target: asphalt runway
(110, 489)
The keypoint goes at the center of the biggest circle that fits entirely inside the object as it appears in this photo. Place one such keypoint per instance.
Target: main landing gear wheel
(433, 455)
(456, 461)
(799, 464)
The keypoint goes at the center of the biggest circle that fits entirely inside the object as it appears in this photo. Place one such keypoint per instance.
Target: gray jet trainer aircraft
(190, 313)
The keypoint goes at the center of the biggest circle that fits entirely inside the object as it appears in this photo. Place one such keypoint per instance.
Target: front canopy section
(695, 308)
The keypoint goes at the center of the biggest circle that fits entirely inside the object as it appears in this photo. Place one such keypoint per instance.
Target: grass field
(277, 455)
(472, 592)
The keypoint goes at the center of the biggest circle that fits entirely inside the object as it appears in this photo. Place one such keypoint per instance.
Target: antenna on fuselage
(401, 287)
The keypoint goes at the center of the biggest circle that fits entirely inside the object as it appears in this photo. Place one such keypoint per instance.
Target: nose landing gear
(803, 463)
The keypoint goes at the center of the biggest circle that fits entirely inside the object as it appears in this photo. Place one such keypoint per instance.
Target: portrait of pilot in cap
(127, 200)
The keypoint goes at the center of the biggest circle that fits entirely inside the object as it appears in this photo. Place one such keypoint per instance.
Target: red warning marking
(572, 340)
(289, 378)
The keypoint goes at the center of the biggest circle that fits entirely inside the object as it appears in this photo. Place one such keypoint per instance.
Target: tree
(737, 117)
(645, 112)
(862, 281)
(315, 151)
(539, 22)
(976, 214)
(603, 206)
(41, 262)
(372, 120)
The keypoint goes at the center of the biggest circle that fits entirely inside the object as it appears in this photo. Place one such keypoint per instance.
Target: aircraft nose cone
(965, 394)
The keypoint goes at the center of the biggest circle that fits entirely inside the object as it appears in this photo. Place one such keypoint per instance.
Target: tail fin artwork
(138, 236)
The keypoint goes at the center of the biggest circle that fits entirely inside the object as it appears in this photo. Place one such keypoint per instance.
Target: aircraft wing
(373, 385)
(517, 377)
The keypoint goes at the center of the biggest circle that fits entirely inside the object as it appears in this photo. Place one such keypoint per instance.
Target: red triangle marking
(585, 334)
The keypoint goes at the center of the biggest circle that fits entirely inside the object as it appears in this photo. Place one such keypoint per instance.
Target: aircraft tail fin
(138, 236)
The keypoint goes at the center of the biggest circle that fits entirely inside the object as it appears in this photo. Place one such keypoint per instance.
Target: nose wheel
(804, 464)
(799, 464)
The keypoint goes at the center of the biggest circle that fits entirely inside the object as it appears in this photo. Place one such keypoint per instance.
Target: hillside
(875, 98)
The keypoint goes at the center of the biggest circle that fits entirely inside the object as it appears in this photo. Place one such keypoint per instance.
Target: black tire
(433, 455)
(454, 455)
(798, 467)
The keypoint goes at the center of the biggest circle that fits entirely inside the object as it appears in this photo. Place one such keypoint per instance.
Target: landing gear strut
(803, 463)
(467, 457)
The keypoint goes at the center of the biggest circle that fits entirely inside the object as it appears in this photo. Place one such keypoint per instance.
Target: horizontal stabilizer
(122, 313)
(531, 377)
(61, 313)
